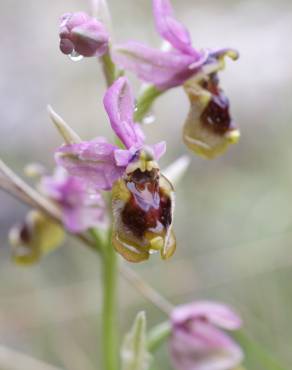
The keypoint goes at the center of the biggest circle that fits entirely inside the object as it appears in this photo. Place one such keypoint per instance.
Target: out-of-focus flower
(36, 236)
(82, 207)
(209, 129)
(198, 342)
(83, 35)
(142, 198)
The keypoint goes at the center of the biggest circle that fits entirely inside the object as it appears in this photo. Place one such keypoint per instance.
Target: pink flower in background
(100, 163)
(198, 341)
(83, 35)
(82, 207)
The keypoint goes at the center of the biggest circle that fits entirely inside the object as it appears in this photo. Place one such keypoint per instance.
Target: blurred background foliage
(233, 215)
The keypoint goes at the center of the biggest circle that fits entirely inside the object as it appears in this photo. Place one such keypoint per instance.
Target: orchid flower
(142, 198)
(36, 236)
(198, 341)
(209, 129)
(82, 35)
(165, 69)
(81, 206)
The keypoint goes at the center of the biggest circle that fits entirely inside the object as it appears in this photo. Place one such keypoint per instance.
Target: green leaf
(158, 336)
(134, 352)
(255, 354)
(67, 133)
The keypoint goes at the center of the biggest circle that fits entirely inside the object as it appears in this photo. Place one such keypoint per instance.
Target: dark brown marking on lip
(149, 206)
(216, 116)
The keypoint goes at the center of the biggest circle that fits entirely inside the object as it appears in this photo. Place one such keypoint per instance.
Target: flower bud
(82, 35)
(143, 202)
(37, 235)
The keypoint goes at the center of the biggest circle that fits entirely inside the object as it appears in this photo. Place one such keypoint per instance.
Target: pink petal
(159, 150)
(215, 313)
(93, 161)
(119, 104)
(81, 207)
(203, 348)
(123, 157)
(81, 218)
(170, 29)
(90, 39)
(71, 20)
(163, 69)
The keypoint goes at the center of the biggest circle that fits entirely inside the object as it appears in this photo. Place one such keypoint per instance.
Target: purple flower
(83, 35)
(142, 198)
(164, 69)
(198, 341)
(100, 163)
(81, 206)
(209, 129)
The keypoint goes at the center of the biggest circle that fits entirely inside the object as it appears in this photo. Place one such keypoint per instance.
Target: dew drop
(153, 251)
(75, 57)
(149, 119)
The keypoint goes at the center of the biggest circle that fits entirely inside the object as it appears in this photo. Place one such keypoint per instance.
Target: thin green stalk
(109, 311)
(145, 101)
(109, 69)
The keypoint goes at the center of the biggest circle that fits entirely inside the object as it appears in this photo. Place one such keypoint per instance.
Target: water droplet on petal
(75, 57)
(136, 106)
(149, 119)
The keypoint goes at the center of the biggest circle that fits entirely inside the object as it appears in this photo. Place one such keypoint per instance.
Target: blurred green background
(233, 215)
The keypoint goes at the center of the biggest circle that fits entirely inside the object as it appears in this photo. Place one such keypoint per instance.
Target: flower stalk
(109, 69)
(109, 310)
(145, 101)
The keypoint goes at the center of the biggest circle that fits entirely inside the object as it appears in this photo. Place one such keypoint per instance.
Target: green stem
(109, 312)
(145, 101)
(109, 69)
